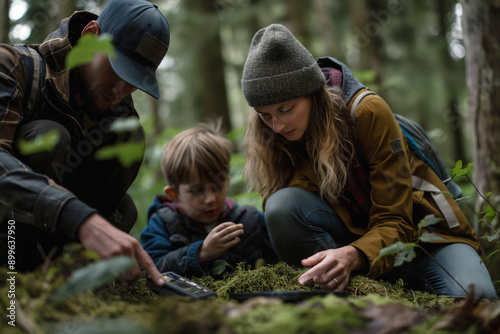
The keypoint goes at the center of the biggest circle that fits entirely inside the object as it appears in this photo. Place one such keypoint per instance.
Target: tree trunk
(326, 28)
(64, 9)
(482, 44)
(448, 65)
(297, 18)
(208, 65)
(368, 27)
(4, 21)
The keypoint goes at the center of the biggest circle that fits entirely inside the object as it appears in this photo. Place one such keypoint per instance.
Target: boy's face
(203, 201)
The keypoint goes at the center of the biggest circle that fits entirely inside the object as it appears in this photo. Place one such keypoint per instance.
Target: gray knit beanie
(278, 68)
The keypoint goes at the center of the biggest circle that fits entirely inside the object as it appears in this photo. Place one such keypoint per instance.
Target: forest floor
(369, 306)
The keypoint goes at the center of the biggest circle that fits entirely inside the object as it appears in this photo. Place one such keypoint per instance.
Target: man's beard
(94, 107)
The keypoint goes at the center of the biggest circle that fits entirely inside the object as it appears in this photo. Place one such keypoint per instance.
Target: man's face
(103, 88)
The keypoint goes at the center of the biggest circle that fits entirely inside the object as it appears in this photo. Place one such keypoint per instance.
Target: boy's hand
(219, 240)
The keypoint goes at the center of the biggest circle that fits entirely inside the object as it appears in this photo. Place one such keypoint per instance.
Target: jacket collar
(56, 47)
(350, 85)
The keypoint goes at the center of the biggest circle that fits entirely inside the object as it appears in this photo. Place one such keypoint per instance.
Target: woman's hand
(332, 268)
(219, 240)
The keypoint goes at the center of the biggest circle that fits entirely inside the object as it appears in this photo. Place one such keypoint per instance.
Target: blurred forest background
(435, 61)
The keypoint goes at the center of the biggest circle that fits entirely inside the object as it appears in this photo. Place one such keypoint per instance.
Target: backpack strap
(417, 182)
(357, 101)
(355, 105)
(34, 71)
(36, 84)
(438, 196)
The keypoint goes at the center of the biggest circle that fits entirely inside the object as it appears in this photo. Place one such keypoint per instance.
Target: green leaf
(128, 124)
(428, 221)
(86, 47)
(220, 266)
(394, 249)
(92, 276)
(45, 142)
(459, 171)
(463, 198)
(457, 168)
(489, 212)
(127, 153)
(405, 255)
(429, 237)
(491, 238)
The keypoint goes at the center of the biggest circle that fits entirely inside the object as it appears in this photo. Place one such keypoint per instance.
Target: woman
(335, 191)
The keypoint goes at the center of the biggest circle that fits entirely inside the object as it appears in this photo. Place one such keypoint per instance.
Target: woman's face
(289, 119)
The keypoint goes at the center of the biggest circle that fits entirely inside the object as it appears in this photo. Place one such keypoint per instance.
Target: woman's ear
(171, 194)
(92, 27)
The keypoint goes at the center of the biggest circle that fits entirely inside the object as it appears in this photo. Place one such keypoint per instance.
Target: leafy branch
(489, 212)
(405, 252)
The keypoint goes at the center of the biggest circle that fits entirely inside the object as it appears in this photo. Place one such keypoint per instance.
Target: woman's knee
(465, 272)
(279, 211)
(481, 288)
(288, 202)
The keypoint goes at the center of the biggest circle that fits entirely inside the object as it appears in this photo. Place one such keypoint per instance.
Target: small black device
(286, 296)
(177, 285)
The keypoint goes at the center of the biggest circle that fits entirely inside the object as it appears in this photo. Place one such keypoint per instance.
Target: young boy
(194, 223)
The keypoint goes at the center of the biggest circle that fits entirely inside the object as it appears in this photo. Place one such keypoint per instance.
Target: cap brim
(135, 74)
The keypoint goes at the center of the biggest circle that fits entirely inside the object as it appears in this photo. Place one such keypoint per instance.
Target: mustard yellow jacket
(396, 207)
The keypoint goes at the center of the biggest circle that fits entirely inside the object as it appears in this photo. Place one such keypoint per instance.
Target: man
(70, 193)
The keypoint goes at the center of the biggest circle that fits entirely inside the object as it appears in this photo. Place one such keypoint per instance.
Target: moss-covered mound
(371, 306)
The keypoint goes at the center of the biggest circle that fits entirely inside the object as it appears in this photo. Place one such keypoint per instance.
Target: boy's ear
(92, 27)
(171, 194)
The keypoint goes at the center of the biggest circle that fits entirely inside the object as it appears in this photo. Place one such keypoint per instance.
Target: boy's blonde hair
(203, 150)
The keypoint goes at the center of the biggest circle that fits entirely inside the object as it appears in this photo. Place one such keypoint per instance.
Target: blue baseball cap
(141, 36)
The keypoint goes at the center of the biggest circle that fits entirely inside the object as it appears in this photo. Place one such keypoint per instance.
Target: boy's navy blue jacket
(173, 240)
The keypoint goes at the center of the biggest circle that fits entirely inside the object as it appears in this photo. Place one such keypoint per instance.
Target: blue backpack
(420, 145)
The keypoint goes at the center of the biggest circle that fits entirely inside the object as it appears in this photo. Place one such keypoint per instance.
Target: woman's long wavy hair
(329, 141)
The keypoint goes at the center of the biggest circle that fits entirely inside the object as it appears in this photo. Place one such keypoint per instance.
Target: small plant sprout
(405, 252)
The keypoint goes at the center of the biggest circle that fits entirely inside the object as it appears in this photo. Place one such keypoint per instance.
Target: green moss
(135, 307)
(186, 315)
(279, 277)
(362, 286)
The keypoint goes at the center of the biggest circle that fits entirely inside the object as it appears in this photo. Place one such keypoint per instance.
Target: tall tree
(450, 68)
(297, 17)
(482, 43)
(64, 9)
(368, 30)
(326, 27)
(4, 20)
(207, 83)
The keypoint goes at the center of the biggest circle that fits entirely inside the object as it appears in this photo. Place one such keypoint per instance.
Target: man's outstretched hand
(99, 235)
